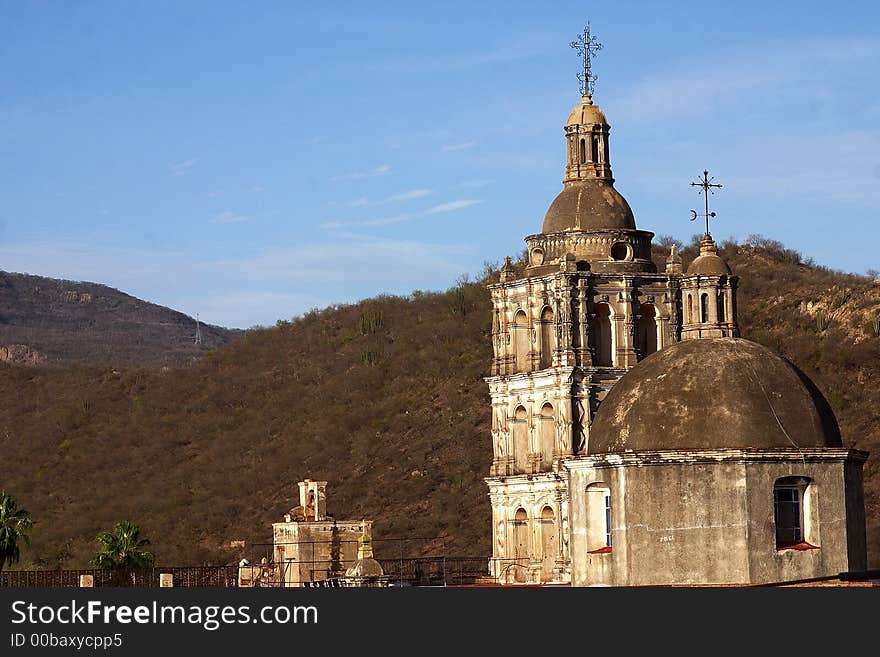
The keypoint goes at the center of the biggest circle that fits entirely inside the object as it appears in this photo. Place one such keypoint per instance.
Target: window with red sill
(599, 514)
(793, 508)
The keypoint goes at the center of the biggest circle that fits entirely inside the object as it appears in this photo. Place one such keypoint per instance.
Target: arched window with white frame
(599, 539)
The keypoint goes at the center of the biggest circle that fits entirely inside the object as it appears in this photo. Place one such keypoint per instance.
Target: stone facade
(636, 439)
(707, 516)
(308, 551)
(589, 305)
(309, 545)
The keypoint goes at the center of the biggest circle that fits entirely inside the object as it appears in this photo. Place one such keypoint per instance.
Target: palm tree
(14, 526)
(121, 548)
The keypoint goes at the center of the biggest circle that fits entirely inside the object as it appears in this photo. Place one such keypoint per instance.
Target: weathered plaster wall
(701, 518)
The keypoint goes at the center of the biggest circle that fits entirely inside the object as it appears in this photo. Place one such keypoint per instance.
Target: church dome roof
(713, 393)
(586, 114)
(588, 205)
(365, 567)
(708, 263)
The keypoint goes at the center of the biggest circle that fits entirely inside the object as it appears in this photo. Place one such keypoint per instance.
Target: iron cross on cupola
(588, 47)
(708, 187)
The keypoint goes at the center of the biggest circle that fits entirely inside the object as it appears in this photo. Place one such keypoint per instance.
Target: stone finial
(707, 245)
(673, 261)
(507, 271)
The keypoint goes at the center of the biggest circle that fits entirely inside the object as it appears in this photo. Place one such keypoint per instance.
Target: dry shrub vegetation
(383, 398)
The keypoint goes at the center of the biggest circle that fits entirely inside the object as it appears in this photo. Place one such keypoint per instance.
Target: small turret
(708, 292)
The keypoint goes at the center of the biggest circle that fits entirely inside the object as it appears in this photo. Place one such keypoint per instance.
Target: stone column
(584, 358)
(730, 303)
(563, 561)
(712, 292)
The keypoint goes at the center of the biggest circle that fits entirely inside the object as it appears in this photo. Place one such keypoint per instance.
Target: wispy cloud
(527, 47)
(409, 196)
(380, 221)
(228, 217)
(395, 198)
(384, 221)
(452, 206)
(740, 79)
(181, 168)
(458, 147)
(475, 184)
(794, 171)
(378, 171)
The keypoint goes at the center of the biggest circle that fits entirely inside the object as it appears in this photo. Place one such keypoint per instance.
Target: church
(637, 439)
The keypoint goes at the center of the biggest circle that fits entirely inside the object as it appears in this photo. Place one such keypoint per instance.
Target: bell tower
(585, 306)
(708, 288)
(708, 292)
(586, 134)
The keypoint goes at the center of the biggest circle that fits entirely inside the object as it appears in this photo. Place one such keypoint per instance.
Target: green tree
(122, 548)
(14, 526)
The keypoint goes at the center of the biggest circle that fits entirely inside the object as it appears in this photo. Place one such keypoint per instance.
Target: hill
(58, 322)
(383, 398)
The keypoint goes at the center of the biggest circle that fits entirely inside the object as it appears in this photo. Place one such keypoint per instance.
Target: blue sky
(249, 161)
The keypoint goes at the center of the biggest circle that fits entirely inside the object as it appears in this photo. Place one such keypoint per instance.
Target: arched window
(721, 306)
(521, 341)
(647, 329)
(547, 433)
(598, 518)
(583, 151)
(548, 543)
(548, 336)
(704, 307)
(595, 142)
(519, 429)
(603, 354)
(520, 545)
(793, 510)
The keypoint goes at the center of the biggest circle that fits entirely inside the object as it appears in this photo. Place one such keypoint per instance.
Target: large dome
(713, 393)
(588, 205)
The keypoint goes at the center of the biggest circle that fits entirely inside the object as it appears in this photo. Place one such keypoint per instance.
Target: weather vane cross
(588, 47)
(707, 186)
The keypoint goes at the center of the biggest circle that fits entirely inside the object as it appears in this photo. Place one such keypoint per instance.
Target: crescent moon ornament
(693, 215)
